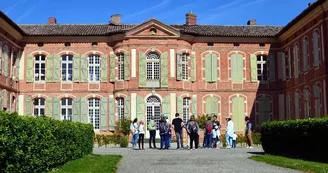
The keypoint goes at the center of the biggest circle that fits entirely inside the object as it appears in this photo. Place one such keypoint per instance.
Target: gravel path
(190, 161)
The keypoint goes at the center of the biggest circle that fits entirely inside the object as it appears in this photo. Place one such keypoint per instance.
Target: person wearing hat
(230, 132)
(152, 131)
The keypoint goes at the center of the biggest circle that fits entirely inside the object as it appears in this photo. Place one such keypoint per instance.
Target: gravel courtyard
(201, 160)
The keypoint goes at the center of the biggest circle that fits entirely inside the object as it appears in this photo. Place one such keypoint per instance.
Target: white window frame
(65, 71)
(120, 108)
(153, 73)
(296, 60)
(37, 72)
(262, 63)
(94, 68)
(39, 106)
(186, 109)
(68, 107)
(94, 112)
(184, 64)
(120, 66)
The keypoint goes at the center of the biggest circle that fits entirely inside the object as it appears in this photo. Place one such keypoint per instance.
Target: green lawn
(91, 164)
(307, 166)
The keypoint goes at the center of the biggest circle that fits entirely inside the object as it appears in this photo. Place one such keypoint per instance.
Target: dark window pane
(70, 101)
(70, 65)
(258, 66)
(41, 101)
(264, 58)
(42, 112)
(64, 66)
(70, 57)
(64, 58)
(63, 111)
(36, 112)
(63, 101)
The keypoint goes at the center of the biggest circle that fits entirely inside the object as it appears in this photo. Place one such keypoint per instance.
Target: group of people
(211, 132)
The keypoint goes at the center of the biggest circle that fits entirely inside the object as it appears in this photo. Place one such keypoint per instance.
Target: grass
(91, 164)
(306, 166)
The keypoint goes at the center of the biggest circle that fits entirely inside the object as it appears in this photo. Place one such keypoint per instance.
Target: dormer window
(152, 31)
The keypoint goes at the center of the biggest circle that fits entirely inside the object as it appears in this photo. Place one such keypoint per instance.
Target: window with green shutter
(211, 106)
(272, 71)
(164, 70)
(238, 113)
(127, 107)
(66, 108)
(112, 67)
(126, 65)
(84, 110)
(140, 108)
(237, 68)
(103, 68)
(76, 109)
(305, 44)
(193, 67)
(166, 106)
(49, 108)
(111, 113)
(57, 71)
(316, 48)
(50, 68)
(5, 60)
(56, 108)
(296, 60)
(264, 109)
(253, 70)
(103, 113)
(297, 105)
(180, 105)
(76, 67)
(179, 66)
(84, 69)
(211, 67)
(5, 99)
(142, 70)
(28, 106)
(17, 64)
(194, 105)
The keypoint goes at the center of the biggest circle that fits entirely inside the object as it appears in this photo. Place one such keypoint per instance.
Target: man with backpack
(163, 132)
(193, 132)
(248, 132)
(208, 133)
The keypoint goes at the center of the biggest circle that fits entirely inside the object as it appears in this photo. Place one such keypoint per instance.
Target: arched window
(262, 68)
(263, 108)
(120, 108)
(287, 64)
(186, 109)
(316, 48)
(297, 104)
(94, 68)
(93, 111)
(305, 43)
(39, 107)
(66, 109)
(120, 66)
(184, 64)
(306, 93)
(296, 60)
(153, 69)
(67, 67)
(39, 67)
(153, 107)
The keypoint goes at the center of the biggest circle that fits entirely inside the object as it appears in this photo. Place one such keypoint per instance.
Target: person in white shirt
(141, 134)
(230, 132)
(216, 137)
(234, 139)
(135, 132)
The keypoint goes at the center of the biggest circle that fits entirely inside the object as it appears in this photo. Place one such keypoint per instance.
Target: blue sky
(220, 12)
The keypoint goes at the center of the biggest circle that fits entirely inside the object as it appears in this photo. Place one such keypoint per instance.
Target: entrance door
(153, 110)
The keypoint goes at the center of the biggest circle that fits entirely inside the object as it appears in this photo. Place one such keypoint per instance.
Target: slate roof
(107, 29)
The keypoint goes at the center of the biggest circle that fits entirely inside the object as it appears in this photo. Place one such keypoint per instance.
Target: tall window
(93, 107)
(67, 67)
(297, 105)
(186, 109)
(262, 68)
(40, 68)
(120, 108)
(66, 109)
(296, 60)
(153, 67)
(316, 48)
(288, 106)
(184, 63)
(121, 66)
(305, 47)
(317, 100)
(287, 64)
(306, 93)
(94, 65)
(39, 107)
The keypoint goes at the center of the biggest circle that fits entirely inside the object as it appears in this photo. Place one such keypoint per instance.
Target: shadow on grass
(257, 153)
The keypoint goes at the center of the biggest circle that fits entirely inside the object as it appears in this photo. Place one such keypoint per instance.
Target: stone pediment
(153, 28)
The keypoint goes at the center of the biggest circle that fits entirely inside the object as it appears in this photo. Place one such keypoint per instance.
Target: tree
(123, 126)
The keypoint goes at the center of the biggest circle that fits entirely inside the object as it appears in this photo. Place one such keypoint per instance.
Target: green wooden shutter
(215, 104)
(264, 110)
(253, 68)
(234, 68)
(237, 68)
(50, 68)
(17, 64)
(76, 109)
(297, 105)
(5, 98)
(112, 67)
(142, 70)
(76, 67)
(272, 71)
(164, 70)
(166, 106)
(84, 111)
(103, 113)
(6, 61)
(57, 65)
(1, 59)
(17, 104)
(103, 68)
(140, 108)
(238, 113)
(29, 69)
(179, 66)
(126, 65)
(208, 68)
(84, 68)
(305, 55)
(194, 105)
(180, 105)
(111, 113)
(315, 49)
(49, 109)
(208, 105)
(127, 105)
(28, 106)
(56, 108)
(214, 68)
(193, 67)
(281, 107)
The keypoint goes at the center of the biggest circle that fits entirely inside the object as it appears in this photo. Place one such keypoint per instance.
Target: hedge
(37, 144)
(302, 139)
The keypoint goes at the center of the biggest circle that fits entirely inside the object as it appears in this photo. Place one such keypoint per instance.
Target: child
(234, 138)
(216, 137)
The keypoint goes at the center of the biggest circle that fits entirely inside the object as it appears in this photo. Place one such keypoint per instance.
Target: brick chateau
(100, 73)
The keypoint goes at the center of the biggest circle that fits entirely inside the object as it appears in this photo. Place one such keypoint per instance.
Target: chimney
(191, 19)
(251, 22)
(52, 21)
(115, 19)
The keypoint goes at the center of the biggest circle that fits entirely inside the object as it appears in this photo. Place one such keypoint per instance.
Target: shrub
(123, 126)
(296, 138)
(37, 144)
(124, 142)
